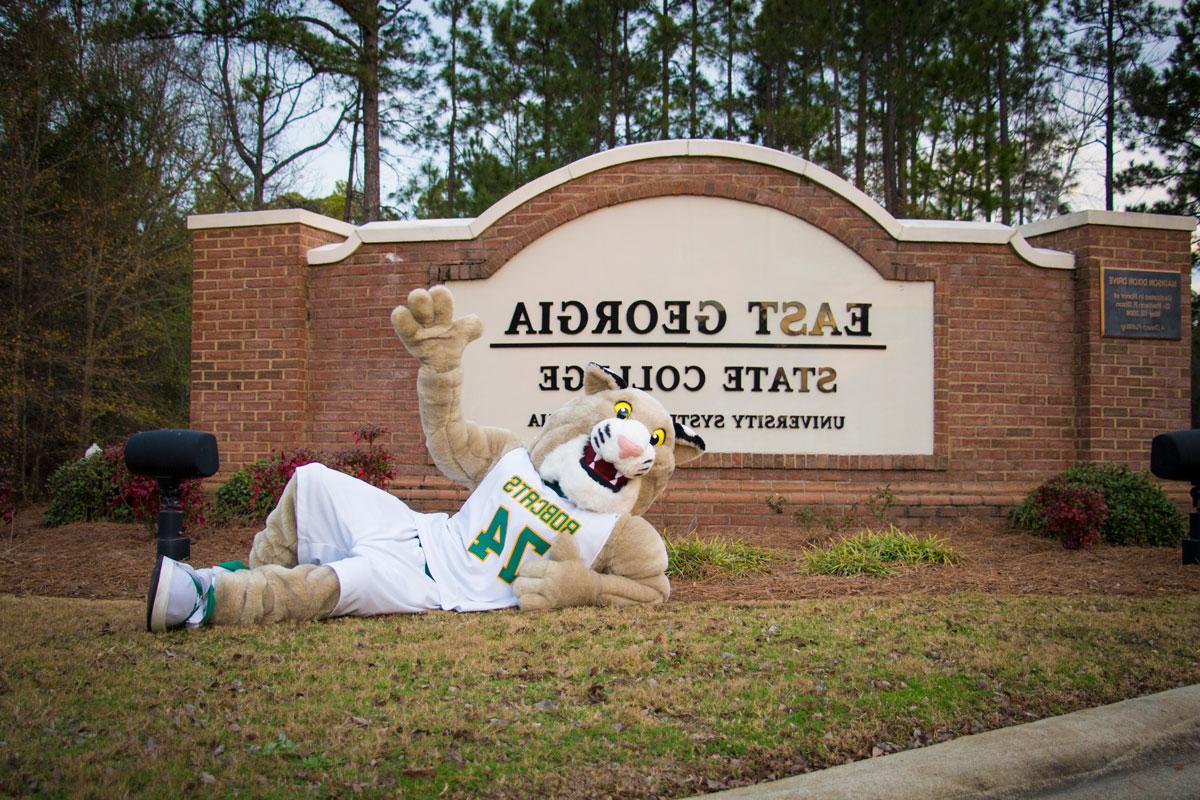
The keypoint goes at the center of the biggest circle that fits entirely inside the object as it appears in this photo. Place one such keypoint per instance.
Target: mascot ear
(598, 378)
(688, 444)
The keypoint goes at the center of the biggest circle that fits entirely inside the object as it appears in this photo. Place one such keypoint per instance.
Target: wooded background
(118, 119)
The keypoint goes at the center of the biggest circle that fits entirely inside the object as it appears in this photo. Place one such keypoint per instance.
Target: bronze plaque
(1140, 304)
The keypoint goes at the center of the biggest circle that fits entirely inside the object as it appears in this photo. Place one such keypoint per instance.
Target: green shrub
(234, 501)
(80, 491)
(1139, 512)
(101, 487)
(251, 493)
(875, 553)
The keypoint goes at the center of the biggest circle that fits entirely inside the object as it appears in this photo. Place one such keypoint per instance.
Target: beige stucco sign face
(762, 332)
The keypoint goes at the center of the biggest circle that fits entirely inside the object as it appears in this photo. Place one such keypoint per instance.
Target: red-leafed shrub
(250, 493)
(269, 476)
(1075, 514)
(136, 497)
(373, 463)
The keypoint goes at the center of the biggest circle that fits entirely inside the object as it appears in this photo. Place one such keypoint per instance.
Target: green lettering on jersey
(527, 538)
(492, 538)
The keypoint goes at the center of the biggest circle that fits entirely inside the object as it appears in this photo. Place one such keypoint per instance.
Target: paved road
(1172, 773)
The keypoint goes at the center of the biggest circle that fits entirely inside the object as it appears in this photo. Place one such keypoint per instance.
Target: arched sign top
(901, 230)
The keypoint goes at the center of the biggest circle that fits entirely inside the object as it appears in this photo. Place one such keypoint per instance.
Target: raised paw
(429, 331)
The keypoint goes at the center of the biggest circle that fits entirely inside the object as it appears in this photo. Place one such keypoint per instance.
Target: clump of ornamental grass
(693, 557)
(877, 553)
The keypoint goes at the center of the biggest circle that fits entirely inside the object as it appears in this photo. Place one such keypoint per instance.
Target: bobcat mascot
(555, 524)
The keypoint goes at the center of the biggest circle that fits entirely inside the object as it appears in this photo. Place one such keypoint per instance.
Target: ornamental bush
(80, 491)
(269, 476)
(1075, 514)
(1139, 512)
(233, 501)
(373, 463)
(101, 487)
(251, 493)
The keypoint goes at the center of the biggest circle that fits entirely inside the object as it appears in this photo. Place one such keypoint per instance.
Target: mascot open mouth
(601, 471)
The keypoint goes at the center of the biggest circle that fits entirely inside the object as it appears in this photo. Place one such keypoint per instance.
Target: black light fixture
(171, 457)
(1175, 456)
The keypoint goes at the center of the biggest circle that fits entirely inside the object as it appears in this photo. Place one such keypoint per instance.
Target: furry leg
(276, 543)
(273, 593)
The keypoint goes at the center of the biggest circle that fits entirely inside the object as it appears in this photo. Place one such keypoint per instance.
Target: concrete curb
(1010, 762)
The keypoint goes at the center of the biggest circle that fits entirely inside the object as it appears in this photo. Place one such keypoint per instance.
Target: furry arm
(464, 451)
(630, 569)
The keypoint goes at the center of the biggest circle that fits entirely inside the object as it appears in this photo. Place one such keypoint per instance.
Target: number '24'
(492, 538)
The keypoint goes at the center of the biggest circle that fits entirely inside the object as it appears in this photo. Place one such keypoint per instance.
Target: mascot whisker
(554, 524)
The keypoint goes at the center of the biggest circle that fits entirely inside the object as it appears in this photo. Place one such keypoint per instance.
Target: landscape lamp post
(1175, 456)
(171, 457)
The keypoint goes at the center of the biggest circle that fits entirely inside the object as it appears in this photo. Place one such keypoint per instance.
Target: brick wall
(250, 337)
(287, 354)
(1129, 389)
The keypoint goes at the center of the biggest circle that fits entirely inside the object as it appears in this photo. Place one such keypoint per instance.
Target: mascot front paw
(428, 329)
(555, 584)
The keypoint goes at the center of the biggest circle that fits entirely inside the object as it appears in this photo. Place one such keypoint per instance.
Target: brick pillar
(1127, 389)
(250, 340)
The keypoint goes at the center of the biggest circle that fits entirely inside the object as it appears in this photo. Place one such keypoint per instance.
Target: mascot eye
(623, 409)
(658, 437)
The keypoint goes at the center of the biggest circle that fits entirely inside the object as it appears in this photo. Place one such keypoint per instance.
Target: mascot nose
(629, 447)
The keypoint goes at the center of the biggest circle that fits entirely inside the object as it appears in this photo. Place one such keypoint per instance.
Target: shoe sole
(156, 601)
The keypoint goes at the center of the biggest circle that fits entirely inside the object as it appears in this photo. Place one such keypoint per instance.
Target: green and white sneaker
(179, 595)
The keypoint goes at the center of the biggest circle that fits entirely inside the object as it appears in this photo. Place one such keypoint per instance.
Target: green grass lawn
(670, 701)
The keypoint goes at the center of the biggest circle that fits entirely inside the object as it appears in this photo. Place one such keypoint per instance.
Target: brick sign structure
(827, 350)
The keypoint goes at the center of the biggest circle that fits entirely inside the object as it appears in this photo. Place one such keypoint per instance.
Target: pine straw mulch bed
(109, 560)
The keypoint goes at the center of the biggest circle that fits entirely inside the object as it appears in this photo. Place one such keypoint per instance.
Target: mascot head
(613, 449)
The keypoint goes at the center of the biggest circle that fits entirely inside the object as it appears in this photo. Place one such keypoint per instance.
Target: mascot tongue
(603, 471)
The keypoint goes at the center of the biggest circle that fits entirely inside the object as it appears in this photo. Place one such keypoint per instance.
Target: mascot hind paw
(555, 524)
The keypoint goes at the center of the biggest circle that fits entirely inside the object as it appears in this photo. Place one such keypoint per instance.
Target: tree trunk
(730, 50)
(891, 199)
(860, 123)
(613, 82)
(835, 61)
(452, 168)
(369, 83)
(665, 130)
(693, 71)
(1005, 161)
(625, 70)
(348, 207)
(1110, 103)
(260, 147)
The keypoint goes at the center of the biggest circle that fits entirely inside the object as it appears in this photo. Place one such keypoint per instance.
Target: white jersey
(512, 516)
(390, 559)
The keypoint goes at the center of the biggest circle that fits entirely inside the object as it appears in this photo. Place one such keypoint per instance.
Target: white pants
(369, 538)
